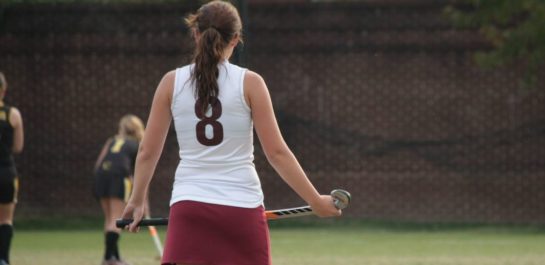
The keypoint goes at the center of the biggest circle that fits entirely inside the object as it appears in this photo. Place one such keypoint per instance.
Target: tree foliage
(515, 28)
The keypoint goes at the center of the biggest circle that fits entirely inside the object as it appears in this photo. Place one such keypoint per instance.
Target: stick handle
(120, 223)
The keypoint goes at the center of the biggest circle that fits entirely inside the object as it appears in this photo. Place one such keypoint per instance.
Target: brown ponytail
(215, 24)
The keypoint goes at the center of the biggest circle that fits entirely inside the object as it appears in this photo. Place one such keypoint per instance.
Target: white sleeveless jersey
(216, 150)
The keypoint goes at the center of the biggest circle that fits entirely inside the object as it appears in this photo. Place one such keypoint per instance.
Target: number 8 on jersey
(212, 120)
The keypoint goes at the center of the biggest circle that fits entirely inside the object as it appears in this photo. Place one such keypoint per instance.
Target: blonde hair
(131, 126)
(3, 83)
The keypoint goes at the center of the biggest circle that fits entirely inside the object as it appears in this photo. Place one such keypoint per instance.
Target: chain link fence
(380, 98)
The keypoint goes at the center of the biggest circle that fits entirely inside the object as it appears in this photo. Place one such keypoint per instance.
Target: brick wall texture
(381, 98)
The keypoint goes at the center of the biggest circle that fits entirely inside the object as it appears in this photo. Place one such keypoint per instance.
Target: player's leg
(110, 239)
(120, 191)
(105, 205)
(111, 210)
(6, 230)
(111, 190)
(115, 207)
(116, 210)
(8, 198)
(102, 193)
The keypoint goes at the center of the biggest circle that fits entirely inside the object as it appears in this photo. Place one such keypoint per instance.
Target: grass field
(367, 244)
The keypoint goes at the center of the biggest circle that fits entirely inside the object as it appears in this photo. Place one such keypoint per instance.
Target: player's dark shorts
(9, 185)
(219, 235)
(112, 186)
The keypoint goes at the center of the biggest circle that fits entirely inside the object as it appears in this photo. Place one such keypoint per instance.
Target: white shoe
(111, 261)
(122, 262)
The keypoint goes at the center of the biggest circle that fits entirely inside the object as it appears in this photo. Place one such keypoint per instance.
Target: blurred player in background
(113, 180)
(217, 214)
(11, 142)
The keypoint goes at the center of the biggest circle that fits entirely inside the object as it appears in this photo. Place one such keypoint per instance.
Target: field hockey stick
(341, 199)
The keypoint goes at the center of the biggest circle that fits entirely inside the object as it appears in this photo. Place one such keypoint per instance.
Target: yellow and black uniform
(8, 173)
(112, 177)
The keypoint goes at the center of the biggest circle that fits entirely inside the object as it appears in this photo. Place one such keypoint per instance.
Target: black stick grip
(121, 223)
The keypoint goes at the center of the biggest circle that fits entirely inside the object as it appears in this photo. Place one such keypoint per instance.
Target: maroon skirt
(210, 234)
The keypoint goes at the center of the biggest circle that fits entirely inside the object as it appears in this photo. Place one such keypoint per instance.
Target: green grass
(316, 244)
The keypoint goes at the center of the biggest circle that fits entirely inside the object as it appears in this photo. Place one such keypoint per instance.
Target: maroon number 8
(217, 128)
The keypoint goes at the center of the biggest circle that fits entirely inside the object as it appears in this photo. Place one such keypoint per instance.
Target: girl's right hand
(136, 212)
(325, 207)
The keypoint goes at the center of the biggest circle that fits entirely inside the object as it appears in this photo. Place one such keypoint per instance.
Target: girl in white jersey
(216, 214)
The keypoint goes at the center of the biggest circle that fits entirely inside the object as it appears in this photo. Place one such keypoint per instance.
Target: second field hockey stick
(153, 233)
(341, 198)
(156, 239)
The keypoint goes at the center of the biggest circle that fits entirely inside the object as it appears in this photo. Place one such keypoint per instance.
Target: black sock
(111, 245)
(6, 233)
